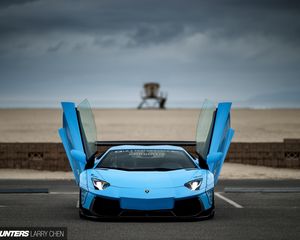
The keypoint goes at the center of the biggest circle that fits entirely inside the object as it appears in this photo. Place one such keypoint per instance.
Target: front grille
(111, 208)
(152, 213)
(106, 207)
(187, 207)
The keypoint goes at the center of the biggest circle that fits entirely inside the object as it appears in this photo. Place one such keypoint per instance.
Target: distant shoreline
(251, 125)
(171, 108)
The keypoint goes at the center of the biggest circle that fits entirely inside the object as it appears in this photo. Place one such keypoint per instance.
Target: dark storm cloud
(154, 21)
(8, 3)
(227, 49)
(56, 47)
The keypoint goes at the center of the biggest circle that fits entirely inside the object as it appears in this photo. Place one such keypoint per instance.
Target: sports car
(146, 179)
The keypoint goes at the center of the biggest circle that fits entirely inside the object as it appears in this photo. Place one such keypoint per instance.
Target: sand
(229, 171)
(40, 125)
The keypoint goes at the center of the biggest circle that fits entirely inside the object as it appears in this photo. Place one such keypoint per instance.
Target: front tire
(80, 206)
(81, 215)
(212, 213)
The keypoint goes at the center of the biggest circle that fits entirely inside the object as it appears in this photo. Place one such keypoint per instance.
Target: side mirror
(213, 159)
(79, 156)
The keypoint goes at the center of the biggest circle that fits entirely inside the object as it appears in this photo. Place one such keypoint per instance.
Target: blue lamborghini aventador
(146, 179)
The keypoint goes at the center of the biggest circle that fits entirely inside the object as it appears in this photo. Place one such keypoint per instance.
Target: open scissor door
(214, 135)
(78, 135)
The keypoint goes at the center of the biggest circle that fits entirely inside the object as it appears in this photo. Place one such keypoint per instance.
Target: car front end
(114, 193)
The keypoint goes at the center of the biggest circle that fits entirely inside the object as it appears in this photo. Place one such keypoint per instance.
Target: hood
(136, 179)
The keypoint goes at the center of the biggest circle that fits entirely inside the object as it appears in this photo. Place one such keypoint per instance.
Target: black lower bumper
(103, 208)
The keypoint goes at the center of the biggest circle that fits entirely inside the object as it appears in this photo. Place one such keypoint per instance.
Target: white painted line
(44, 194)
(233, 203)
(27, 194)
(2, 206)
(77, 204)
(64, 193)
(263, 190)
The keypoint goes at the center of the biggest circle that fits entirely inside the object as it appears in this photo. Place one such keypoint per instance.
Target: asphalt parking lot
(245, 209)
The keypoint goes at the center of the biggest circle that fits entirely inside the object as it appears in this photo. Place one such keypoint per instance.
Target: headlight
(100, 184)
(194, 184)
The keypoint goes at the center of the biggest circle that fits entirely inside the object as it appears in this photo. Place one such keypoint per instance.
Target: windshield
(146, 160)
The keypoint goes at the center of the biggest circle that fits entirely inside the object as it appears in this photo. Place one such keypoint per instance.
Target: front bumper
(196, 206)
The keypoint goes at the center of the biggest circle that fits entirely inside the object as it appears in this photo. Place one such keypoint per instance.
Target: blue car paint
(129, 187)
(221, 139)
(71, 137)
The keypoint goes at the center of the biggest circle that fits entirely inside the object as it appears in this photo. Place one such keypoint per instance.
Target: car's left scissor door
(78, 135)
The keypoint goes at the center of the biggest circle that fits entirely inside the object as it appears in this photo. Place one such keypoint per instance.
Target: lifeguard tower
(152, 97)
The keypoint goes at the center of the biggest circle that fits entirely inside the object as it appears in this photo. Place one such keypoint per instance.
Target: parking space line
(40, 193)
(64, 193)
(262, 190)
(23, 190)
(233, 203)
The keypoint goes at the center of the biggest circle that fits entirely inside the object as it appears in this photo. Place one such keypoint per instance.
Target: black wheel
(79, 198)
(212, 214)
(79, 203)
(213, 199)
(81, 215)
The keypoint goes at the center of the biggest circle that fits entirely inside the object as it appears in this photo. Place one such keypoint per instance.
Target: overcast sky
(247, 52)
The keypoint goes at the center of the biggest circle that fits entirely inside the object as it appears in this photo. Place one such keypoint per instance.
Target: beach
(41, 125)
(229, 171)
